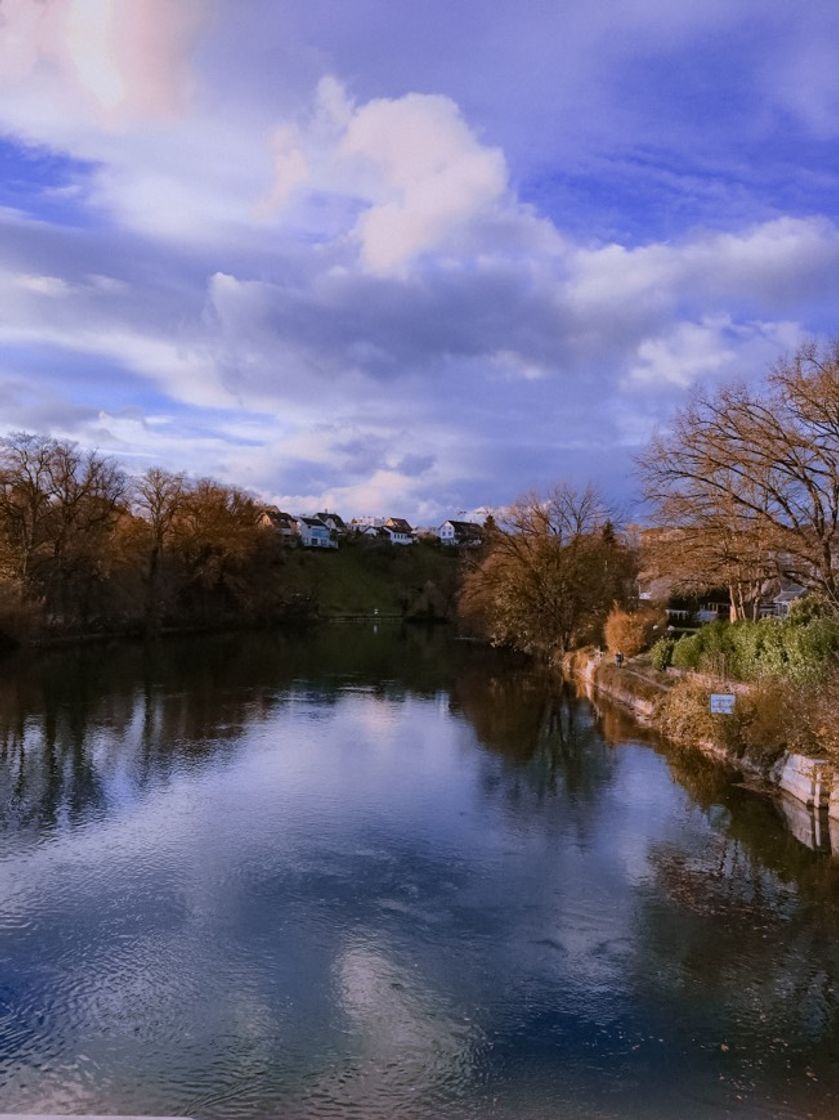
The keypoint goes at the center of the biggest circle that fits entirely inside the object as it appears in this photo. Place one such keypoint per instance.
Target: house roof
(334, 517)
(278, 518)
(313, 522)
(398, 525)
(789, 594)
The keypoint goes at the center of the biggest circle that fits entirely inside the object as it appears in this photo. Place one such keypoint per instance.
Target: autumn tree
(58, 505)
(632, 631)
(750, 478)
(24, 503)
(160, 499)
(82, 546)
(86, 493)
(550, 571)
(227, 560)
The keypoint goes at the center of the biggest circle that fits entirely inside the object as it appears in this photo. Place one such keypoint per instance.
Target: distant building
(683, 609)
(314, 534)
(373, 532)
(365, 522)
(283, 523)
(334, 522)
(461, 534)
(399, 531)
(778, 596)
(713, 605)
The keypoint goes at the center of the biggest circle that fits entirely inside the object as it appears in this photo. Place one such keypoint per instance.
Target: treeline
(744, 488)
(85, 547)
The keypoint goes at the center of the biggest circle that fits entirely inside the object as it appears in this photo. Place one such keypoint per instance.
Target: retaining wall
(809, 787)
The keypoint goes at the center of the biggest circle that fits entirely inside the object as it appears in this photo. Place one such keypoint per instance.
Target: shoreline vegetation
(362, 581)
(87, 551)
(736, 741)
(742, 555)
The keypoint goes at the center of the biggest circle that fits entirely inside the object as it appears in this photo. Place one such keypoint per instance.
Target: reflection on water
(389, 874)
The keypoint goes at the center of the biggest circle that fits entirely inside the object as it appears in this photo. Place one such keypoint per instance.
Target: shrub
(807, 609)
(812, 650)
(793, 703)
(686, 652)
(710, 650)
(784, 650)
(768, 716)
(758, 649)
(661, 655)
(684, 715)
(760, 726)
(821, 715)
(631, 632)
(753, 651)
(717, 651)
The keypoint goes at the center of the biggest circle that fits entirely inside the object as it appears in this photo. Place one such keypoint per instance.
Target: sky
(406, 259)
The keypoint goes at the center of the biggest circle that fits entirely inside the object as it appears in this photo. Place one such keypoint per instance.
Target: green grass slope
(363, 577)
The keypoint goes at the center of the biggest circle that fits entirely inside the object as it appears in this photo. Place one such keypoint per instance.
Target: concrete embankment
(807, 788)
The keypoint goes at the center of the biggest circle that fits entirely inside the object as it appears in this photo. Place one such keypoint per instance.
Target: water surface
(384, 874)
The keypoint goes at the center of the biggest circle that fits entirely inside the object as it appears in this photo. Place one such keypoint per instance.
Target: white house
(464, 534)
(373, 533)
(314, 534)
(334, 522)
(399, 531)
(777, 606)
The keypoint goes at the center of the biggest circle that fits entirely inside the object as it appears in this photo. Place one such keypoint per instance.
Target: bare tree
(758, 473)
(160, 498)
(718, 551)
(57, 507)
(25, 461)
(551, 570)
(86, 492)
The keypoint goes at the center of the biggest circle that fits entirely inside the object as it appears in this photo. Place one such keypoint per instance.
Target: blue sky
(406, 258)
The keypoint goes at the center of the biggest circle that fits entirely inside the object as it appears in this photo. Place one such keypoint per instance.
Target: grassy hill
(362, 577)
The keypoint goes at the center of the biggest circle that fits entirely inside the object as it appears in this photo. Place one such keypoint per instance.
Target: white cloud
(100, 317)
(415, 170)
(715, 347)
(104, 59)
(776, 264)
(291, 169)
(514, 366)
(42, 285)
(432, 176)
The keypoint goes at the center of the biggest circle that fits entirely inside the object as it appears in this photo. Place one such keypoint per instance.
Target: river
(374, 873)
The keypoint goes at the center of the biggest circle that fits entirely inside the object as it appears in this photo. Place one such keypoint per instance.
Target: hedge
(751, 651)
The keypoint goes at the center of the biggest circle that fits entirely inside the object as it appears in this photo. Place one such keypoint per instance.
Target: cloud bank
(238, 244)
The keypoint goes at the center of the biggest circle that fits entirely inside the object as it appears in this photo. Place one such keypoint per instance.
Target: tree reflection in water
(556, 884)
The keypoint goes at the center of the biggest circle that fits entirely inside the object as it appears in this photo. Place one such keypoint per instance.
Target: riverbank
(766, 766)
(359, 581)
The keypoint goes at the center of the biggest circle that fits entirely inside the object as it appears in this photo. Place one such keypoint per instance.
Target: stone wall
(808, 788)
